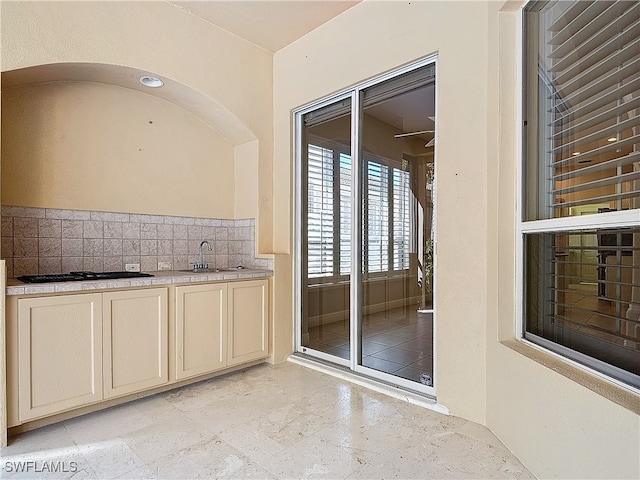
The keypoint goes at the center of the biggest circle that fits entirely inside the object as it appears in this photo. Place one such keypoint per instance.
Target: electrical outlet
(132, 267)
(164, 265)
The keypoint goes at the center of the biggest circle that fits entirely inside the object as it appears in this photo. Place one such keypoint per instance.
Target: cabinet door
(60, 353)
(201, 329)
(248, 321)
(136, 345)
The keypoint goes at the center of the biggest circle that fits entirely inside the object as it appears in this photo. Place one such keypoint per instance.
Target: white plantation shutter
(401, 219)
(320, 211)
(345, 214)
(388, 197)
(377, 225)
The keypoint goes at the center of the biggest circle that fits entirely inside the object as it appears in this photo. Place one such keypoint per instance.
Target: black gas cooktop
(80, 276)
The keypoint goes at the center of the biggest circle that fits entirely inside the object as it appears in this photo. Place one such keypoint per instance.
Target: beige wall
(230, 75)
(246, 179)
(557, 427)
(554, 425)
(363, 42)
(548, 414)
(91, 146)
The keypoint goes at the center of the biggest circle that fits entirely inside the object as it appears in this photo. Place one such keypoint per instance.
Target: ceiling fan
(399, 135)
(430, 143)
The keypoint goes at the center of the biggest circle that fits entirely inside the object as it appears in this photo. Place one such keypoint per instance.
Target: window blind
(387, 221)
(401, 219)
(345, 214)
(591, 58)
(320, 211)
(583, 295)
(582, 160)
(377, 218)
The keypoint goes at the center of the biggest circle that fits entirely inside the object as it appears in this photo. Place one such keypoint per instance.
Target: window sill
(609, 390)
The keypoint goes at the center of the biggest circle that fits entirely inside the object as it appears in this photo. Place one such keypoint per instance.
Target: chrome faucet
(201, 265)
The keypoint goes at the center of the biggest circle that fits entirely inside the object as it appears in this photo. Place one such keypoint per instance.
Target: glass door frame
(355, 95)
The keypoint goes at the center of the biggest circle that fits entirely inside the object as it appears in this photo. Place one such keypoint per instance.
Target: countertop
(165, 277)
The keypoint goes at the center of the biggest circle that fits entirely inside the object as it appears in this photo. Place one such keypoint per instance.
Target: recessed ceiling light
(152, 82)
(612, 139)
(575, 154)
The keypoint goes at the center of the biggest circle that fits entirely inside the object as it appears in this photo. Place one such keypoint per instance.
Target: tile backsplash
(42, 240)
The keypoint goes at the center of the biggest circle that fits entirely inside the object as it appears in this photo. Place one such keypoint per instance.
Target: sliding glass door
(365, 163)
(325, 221)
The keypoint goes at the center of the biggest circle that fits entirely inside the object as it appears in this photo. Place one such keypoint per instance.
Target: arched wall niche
(205, 108)
(230, 76)
(91, 137)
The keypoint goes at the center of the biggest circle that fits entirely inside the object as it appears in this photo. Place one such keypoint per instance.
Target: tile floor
(595, 316)
(271, 422)
(397, 341)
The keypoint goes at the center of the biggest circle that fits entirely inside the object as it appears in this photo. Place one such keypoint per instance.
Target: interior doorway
(365, 216)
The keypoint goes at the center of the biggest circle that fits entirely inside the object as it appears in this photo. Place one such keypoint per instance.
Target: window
(388, 192)
(581, 183)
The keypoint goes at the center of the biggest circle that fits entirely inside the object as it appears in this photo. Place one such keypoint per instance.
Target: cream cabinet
(201, 329)
(79, 349)
(248, 304)
(136, 348)
(59, 352)
(220, 325)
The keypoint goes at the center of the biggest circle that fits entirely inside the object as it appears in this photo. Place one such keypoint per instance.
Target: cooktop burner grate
(79, 276)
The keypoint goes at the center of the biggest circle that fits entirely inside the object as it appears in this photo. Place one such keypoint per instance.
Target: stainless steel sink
(214, 270)
(201, 270)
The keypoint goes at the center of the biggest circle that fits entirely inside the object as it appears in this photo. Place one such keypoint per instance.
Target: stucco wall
(231, 77)
(91, 146)
(560, 421)
(554, 425)
(363, 42)
(232, 74)
(557, 427)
